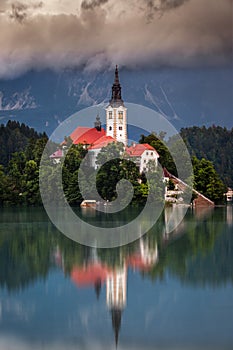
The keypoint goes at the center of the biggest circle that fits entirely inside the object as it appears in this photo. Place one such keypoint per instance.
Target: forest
(215, 144)
(14, 137)
(22, 148)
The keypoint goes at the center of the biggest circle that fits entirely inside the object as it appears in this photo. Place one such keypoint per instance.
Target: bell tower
(116, 114)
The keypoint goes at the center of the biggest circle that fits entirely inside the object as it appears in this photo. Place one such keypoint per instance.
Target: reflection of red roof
(86, 135)
(57, 154)
(88, 275)
(136, 262)
(137, 149)
(102, 142)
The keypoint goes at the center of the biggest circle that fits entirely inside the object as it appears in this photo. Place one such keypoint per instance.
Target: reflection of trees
(201, 255)
(196, 252)
(24, 257)
(214, 267)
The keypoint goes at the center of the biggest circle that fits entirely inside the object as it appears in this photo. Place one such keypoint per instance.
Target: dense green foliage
(207, 180)
(119, 168)
(14, 137)
(19, 180)
(215, 144)
(165, 158)
(22, 148)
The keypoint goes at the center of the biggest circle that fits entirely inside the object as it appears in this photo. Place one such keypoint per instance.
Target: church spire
(116, 76)
(116, 99)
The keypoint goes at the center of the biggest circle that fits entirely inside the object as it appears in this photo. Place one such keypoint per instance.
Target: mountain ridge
(185, 97)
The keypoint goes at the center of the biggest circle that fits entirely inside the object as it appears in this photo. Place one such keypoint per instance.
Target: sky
(97, 34)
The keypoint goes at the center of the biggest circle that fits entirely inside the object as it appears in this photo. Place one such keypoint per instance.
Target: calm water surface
(161, 292)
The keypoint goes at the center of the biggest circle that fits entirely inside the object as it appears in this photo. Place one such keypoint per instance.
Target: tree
(14, 185)
(119, 168)
(165, 158)
(115, 168)
(3, 181)
(156, 186)
(31, 183)
(207, 181)
(72, 190)
(51, 186)
(14, 137)
(215, 144)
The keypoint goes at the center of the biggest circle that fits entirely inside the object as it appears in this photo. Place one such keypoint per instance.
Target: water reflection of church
(96, 273)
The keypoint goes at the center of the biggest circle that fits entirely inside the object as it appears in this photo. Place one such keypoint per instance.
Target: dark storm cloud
(104, 33)
(165, 4)
(90, 5)
(154, 6)
(19, 10)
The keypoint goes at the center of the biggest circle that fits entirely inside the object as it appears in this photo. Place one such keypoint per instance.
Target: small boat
(88, 203)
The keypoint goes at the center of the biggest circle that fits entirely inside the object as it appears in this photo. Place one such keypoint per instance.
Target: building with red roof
(78, 132)
(94, 139)
(86, 136)
(96, 148)
(56, 156)
(143, 155)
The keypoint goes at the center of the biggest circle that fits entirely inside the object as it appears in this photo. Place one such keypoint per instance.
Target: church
(94, 139)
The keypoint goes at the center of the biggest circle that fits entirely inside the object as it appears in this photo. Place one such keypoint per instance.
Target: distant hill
(214, 143)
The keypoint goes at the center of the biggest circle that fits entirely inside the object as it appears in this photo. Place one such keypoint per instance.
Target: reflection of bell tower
(149, 255)
(116, 114)
(98, 285)
(116, 288)
(116, 322)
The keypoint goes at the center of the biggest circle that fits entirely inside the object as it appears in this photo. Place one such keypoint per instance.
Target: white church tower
(116, 114)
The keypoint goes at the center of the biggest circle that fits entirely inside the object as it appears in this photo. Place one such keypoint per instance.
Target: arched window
(110, 128)
(120, 115)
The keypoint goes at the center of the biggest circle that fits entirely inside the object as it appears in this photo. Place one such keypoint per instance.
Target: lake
(163, 291)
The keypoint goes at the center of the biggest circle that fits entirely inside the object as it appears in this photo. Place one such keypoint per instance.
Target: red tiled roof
(102, 142)
(57, 154)
(78, 132)
(85, 135)
(149, 147)
(137, 149)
